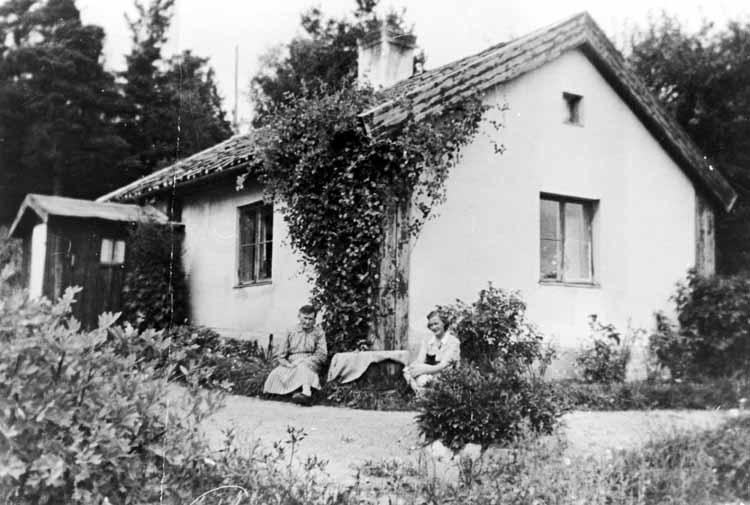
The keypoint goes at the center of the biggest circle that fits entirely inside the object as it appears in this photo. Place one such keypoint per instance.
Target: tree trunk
(392, 318)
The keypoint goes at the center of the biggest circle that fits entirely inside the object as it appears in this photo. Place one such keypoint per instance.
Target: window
(112, 252)
(573, 108)
(255, 243)
(565, 247)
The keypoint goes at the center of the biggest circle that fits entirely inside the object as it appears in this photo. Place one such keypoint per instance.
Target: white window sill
(264, 282)
(583, 284)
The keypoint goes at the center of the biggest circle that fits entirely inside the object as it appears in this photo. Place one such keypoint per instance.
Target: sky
(446, 29)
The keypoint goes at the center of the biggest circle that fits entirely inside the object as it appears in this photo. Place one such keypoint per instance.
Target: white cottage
(599, 204)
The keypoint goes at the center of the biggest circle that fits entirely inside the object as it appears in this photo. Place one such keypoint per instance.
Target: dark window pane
(247, 225)
(266, 251)
(550, 259)
(550, 220)
(266, 223)
(246, 263)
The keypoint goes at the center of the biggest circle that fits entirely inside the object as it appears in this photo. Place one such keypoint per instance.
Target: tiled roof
(427, 93)
(223, 156)
(45, 206)
(430, 91)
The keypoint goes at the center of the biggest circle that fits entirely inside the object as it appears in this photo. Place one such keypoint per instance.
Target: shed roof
(224, 156)
(429, 92)
(44, 206)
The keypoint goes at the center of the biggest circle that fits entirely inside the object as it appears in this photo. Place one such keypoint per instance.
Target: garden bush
(90, 418)
(494, 327)
(83, 419)
(496, 392)
(233, 365)
(10, 262)
(154, 292)
(712, 334)
(472, 405)
(606, 357)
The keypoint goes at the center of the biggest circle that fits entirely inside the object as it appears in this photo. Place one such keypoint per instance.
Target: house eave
(504, 63)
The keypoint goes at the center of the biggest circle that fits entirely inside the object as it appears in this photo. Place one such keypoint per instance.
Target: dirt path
(347, 438)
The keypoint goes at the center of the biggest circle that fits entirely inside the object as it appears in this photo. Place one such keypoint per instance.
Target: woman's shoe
(301, 399)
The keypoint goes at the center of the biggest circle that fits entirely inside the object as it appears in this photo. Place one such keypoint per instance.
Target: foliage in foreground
(338, 186)
(469, 405)
(82, 420)
(688, 469)
(711, 337)
(90, 418)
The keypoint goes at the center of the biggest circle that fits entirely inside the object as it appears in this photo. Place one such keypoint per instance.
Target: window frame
(590, 208)
(256, 208)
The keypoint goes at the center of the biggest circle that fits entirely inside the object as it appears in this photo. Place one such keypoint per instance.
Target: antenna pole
(235, 120)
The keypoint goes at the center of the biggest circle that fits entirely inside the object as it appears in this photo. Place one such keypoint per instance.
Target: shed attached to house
(73, 242)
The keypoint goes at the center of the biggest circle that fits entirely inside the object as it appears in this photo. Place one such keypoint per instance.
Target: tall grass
(691, 469)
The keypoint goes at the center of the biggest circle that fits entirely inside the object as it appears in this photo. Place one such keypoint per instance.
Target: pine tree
(58, 105)
(326, 55)
(175, 107)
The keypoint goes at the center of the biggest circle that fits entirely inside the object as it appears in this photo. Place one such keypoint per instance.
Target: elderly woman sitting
(300, 357)
(437, 353)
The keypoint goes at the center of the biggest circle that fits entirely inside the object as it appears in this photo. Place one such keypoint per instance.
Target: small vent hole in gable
(573, 107)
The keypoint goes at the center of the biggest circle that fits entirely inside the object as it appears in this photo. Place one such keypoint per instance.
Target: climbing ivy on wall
(336, 186)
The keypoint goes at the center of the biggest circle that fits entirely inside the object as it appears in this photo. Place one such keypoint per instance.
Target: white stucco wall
(488, 229)
(210, 256)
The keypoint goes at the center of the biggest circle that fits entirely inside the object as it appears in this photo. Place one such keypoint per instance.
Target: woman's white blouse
(448, 348)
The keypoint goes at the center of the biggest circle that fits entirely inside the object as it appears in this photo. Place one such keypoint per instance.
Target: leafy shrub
(239, 366)
(605, 359)
(84, 419)
(497, 393)
(712, 337)
(155, 292)
(469, 405)
(495, 327)
(10, 262)
(670, 348)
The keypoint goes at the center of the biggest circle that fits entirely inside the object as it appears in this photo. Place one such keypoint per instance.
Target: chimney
(385, 57)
